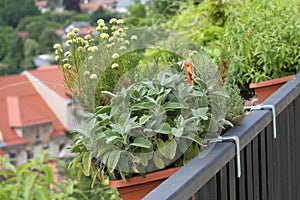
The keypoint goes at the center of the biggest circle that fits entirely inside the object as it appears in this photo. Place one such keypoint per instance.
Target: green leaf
(167, 149)
(173, 105)
(123, 164)
(103, 149)
(194, 138)
(158, 161)
(170, 149)
(164, 129)
(113, 159)
(220, 93)
(144, 119)
(49, 173)
(177, 132)
(142, 105)
(141, 142)
(108, 93)
(29, 184)
(86, 163)
(200, 112)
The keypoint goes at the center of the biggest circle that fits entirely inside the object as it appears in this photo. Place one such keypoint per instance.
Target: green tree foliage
(106, 15)
(61, 19)
(12, 11)
(47, 38)
(33, 180)
(98, 192)
(15, 53)
(138, 10)
(5, 36)
(34, 29)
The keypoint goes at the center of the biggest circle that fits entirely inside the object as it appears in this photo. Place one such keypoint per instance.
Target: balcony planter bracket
(269, 107)
(236, 140)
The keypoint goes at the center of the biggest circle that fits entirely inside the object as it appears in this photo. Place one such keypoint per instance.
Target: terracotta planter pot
(136, 188)
(266, 88)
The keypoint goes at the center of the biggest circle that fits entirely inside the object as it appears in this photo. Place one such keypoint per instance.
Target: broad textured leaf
(158, 161)
(201, 112)
(103, 149)
(123, 164)
(144, 119)
(113, 159)
(170, 149)
(194, 138)
(177, 132)
(219, 93)
(164, 129)
(141, 142)
(86, 163)
(173, 105)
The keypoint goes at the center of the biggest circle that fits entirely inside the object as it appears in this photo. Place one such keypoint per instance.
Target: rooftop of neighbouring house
(22, 106)
(52, 76)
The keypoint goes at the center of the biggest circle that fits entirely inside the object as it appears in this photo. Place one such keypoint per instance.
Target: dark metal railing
(270, 167)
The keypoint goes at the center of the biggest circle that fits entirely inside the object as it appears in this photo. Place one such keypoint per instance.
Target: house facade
(35, 114)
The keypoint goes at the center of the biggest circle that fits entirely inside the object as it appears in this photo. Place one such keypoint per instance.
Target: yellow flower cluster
(80, 49)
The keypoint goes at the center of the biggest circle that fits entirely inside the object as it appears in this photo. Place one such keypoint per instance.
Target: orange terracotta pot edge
(161, 174)
(271, 82)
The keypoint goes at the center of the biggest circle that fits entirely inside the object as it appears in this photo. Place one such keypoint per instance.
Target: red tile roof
(53, 77)
(21, 105)
(42, 3)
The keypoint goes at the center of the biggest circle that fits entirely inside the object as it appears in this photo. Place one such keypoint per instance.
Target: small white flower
(67, 54)
(67, 66)
(113, 28)
(91, 58)
(69, 42)
(104, 35)
(126, 42)
(113, 21)
(104, 28)
(115, 65)
(57, 46)
(133, 37)
(123, 34)
(116, 34)
(71, 35)
(100, 21)
(92, 48)
(57, 58)
(93, 76)
(86, 73)
(120, 21)
(111, 39)
(115, 55)
(120, 39)
(75, 30)
(88, 37)
(122, 48)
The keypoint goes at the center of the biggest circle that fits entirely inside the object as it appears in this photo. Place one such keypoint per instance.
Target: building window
(30, 154)
(13, 157)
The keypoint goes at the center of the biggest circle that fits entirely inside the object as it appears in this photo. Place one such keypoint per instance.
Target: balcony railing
(270, 168)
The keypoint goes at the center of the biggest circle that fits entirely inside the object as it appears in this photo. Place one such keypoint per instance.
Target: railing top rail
(197, 172)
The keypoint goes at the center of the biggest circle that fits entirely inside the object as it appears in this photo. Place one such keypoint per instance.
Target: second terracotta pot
(266, 88)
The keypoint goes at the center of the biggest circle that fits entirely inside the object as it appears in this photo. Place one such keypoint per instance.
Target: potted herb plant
(148, 126)
(261, 43)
